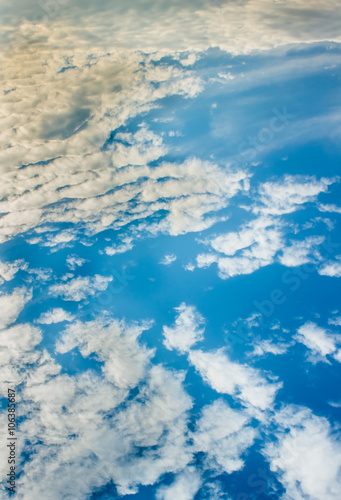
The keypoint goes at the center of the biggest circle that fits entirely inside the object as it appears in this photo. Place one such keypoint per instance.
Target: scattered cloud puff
(184, 487)
(125, 246)
(102, 197)
(321, 342)
(289, 194)
(216, 491)
(12, 304)
(223, 435)
(189, 267)
(9, 269)
(140, 148)
(187, 331)
(115, 344)
(302, 252)
(78, 289)
(215, 367)
(168, 259)
(331, 268)
(239, 380)
(335, 404)
(335, 321)
(264, 347)
(57, 315)
(306, 455)
(73, 261)
(245, 251)
(329, 208)
(39, 275)
(55, 241)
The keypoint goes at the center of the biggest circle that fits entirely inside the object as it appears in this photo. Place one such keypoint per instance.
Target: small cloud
(41, 275)
(268, 347)
(335, 404)
(125, 246)
(331, 268)
(335, 321)
(174, 133)
(321, 342)
(239, 380)
(73, 261)
(57, 315)
(168, 259)
(186, 331)
(189, 267)
(301, 252)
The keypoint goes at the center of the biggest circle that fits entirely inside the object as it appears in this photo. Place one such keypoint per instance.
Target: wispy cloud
(168, 259)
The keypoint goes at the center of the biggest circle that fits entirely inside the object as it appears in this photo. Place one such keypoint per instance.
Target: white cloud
(77, 289)
(9, 269)
(331, 268)
(138, 149)
(287, 195)
(189, 267)
(12, 304)
(40, 275)
(335, 404)
(321, 342)
(335, 321)
(187, 330)
(228, 377)
(306, 455)
(223, 435)
(329, 208)
(115, 344)
(126, 245)
(269, 347)
(56, 315)
(302, 252)
(216, 491)
(184, 487)
(168, 259)
(73, 261)
(252, 247)
(55, 241)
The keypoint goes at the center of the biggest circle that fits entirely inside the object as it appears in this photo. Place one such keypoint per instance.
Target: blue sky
(171, 250)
